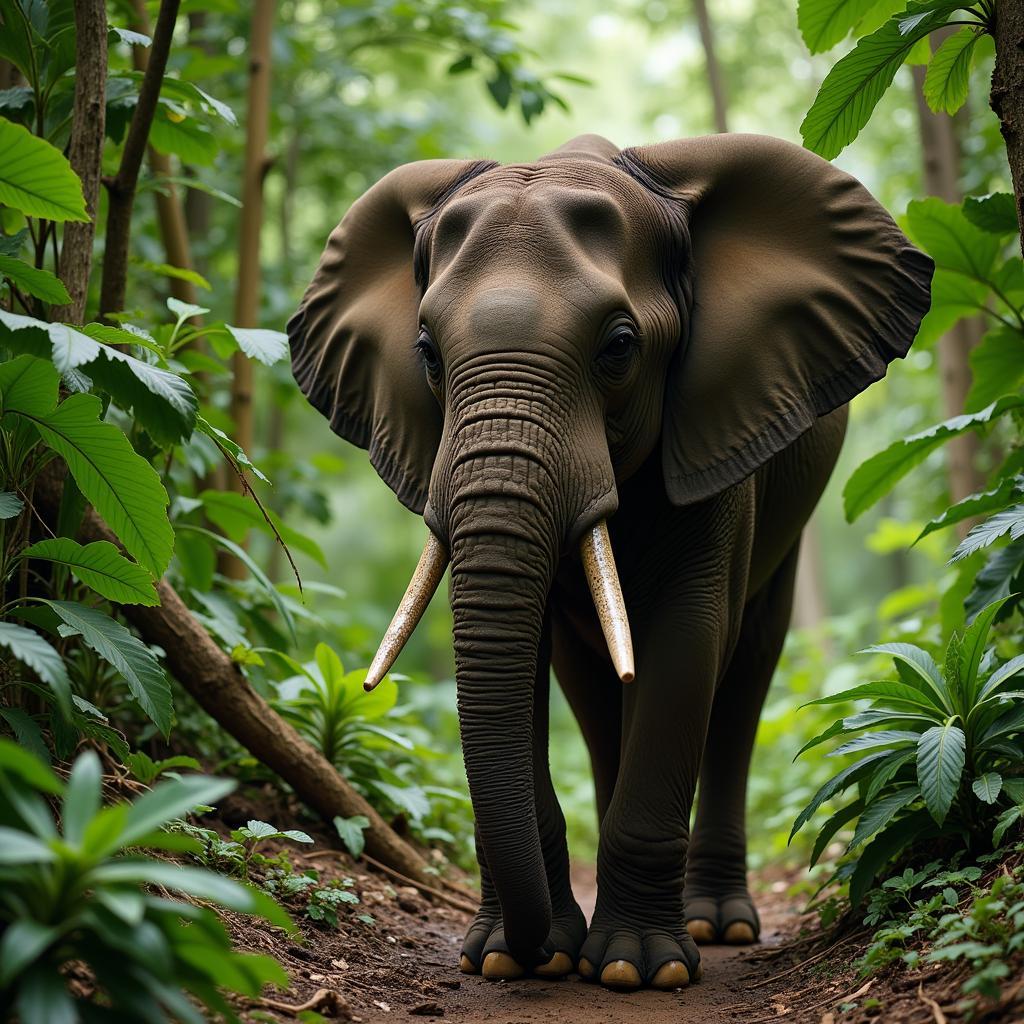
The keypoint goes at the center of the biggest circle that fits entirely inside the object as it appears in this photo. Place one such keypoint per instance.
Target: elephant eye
(619, 347)
(429, 354)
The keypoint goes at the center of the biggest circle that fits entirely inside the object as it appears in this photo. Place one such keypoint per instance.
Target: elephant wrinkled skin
(661, 338)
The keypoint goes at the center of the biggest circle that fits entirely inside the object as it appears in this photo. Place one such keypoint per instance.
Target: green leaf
(873, 479)
(1001, 576)
(10, 505)
(123, 487)
(997, 367)
(82, 797)
(171, 799)
(832, 826)
(39, 283)
(882, 689)
(43, 998)
(881, 812)
(987, 787)
(996, 212)
(948, 76)
(36, 178)
(889, 843)
(886, 771)
(882, 738)
(187, 138)
(28, 767)
(823, 23)
(178, 273)
(32, 650)
(1001, 675)
(837, 784)
(925, 673)
(28, 386)
(129, 655)
(17, 847)
(1009, 521)
(184, 310)
(351, 832)
(954, 298)
(23, 941)
(101, 566)
(856, 83)
(942, 230)
(268, 347)
(941, 754)
(229, 447)
(124, 35)
(972, 650)
(1008, 488)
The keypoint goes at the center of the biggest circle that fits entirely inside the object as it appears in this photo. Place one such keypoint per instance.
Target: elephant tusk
(599, 565)
(422, 586)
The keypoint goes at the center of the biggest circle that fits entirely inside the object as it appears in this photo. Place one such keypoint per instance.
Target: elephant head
(513, 342)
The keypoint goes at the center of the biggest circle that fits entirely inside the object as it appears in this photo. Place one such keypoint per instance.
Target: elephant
(638, 358)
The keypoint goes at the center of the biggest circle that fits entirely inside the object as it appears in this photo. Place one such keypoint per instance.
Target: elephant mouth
(602, 578)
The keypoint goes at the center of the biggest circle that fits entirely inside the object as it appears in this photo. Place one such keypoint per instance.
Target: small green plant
(255, 832)
(325, 901)
(77, 892)
(146, 770)
(939, 751)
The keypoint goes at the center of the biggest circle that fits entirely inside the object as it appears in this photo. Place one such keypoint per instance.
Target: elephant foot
(484, 950)
(627, 958)
(731, 920)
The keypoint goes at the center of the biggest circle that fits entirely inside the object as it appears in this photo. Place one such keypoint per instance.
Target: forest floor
(403, 964)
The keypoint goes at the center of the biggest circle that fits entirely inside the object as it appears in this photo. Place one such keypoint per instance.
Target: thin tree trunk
(810, 602)
(122, 188)
(247, 296)
(1007, 96)
(715, 83)
(941, 165)
(198, 204)
(85, 152)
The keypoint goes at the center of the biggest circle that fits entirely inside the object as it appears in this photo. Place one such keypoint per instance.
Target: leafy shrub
(76, 894)
(940, 751)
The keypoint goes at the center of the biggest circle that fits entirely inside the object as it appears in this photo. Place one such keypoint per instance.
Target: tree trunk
(941, 156)
(247, 296)
(85, 152)
(122, 188)
(810, 601)
(715, 83)
(1007, 96)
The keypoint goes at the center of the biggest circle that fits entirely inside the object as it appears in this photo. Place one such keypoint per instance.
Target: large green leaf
(954, 298)
(28, 386)
(129, 655)
(942, 230)
(857, 82)
(1003, 494)
(941, 753)
(10, 505)
(987, 787)
(972, 649)
(842, 817)
(31, 649)
(837, 784)
(23, 941)
(36, 178)
(186, 138)
(83, 796)
(997, 367)
(1009, 521)
(173, 798)
(39, 283)
(881, 812)
(268, 347)
(889, 843)
(949, 72)
(101, 566)
(1001, 675)
(873, 479)
(1001, 576)
(123, 487)
(823, 23)
(923, 672)
(996, 212)
(881, 689)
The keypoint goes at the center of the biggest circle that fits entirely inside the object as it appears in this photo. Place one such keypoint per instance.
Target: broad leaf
(832, 826)
(997, 367)
(870, 740)
(873, 479)
(1008, 488)
(101, 566)
(940, 763)
(23, 941)
(129, 655)
(881, 812)
(954, 298)
(27, 386)
(996, 212)
(82, 798)
(268, 347)
(883, 690)
(123, 487)
(168, 800)
(10, 505)
(1009, 521)
(987, 787)
(185, 137)
(36, 178)
(973, 648)
(837, 784)
(856, 83)
(1001, 675)
(948, 76)
(924, 673)
(351, 832)
(31, 649)
(18, 847)
(942, 230)
(39, 283)
(823, 23)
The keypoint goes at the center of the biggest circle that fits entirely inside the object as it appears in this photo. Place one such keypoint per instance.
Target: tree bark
(941, 168)
(217, 685)
(1007, 96)
(715, 83)
(85, 152)
(247, 296)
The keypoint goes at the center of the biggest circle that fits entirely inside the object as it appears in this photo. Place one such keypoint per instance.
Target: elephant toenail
(620, 974)
(739, 933)
(701, 931)
(558, 966)
(466, 965)
(671, 975)
(699, 973)
(501, 965)
(586, 968)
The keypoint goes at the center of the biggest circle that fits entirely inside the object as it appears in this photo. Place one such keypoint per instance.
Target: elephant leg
(484, 947)
(718, 904)
(594, 693)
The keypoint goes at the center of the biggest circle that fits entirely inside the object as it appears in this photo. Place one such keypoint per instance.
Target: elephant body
(660, 341)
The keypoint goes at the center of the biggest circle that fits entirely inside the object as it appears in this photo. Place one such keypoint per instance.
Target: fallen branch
(323, 999)
(217, 685)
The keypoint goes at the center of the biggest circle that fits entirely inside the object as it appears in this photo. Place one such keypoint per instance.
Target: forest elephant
(646, 351)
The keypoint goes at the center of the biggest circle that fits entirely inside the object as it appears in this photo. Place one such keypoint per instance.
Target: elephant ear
(353, 336)
(804, 289)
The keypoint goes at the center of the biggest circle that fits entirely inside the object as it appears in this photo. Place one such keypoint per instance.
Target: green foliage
(36, 178)
(942, 741)
(78, 893)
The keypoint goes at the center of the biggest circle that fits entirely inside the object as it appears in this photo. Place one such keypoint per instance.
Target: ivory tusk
(422, 586)
(599, 565)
